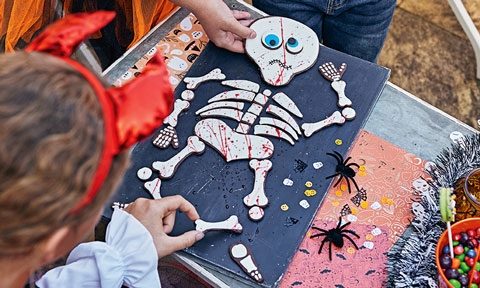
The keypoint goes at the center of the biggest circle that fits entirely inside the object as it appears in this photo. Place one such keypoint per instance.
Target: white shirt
(127, 257)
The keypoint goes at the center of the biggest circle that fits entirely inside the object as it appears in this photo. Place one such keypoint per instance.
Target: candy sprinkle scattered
(339, 193)
(390, 201)
(364, 204)
(362, 173)
(284, 207)
(338, 142)
(369, 237)
(350, 250)
(308, 234)
(343, 187)
(308, 184)
(384, 200)
(309, 193)
(362, 168)
(354, 211)
(335, 203)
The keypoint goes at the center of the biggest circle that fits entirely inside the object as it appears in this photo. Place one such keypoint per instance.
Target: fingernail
(199, 236)
(252, 35)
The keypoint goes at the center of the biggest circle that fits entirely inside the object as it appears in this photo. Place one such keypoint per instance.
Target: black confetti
(370, 272)
(300, 166)
(304, 251)
(345, 210)
(325, 271)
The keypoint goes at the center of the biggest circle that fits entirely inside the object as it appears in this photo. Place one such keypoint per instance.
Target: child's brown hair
(51, 138)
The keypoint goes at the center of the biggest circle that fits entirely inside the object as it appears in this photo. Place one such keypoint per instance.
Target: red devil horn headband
(131, 112)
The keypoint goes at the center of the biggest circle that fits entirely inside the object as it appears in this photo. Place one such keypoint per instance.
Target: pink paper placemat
(388, 176)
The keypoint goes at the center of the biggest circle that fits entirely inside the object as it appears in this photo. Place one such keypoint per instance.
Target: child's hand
(221, 24)
(158, 216)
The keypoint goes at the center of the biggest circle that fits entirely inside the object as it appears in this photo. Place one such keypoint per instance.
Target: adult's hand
(158, 216)
(224, 27)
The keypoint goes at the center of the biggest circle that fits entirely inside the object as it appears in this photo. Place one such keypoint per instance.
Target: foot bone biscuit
(243, 256)
(165, 137)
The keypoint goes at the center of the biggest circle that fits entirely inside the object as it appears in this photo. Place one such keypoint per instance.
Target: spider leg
(318, 235)
(346, 236)
(321, 246)
(330, 252)
(344, 225)
(339, 222)
(352, 232)
(353, 164)
(339, 155)
(339, 179)
(355, 182)
(319, 229)
(349, 189)
(346, 161)
(339, 160)
(331, 176)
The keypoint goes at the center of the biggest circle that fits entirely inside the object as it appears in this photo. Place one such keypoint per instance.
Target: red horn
(142, 104)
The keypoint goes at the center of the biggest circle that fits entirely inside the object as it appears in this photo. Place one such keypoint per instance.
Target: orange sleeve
(20, 19)
(147, 14)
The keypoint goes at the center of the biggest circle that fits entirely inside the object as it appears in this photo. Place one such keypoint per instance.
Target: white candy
(317, 165)
(287, 182)
(368, 244)
(376, 206)
(352, 218)
(304, 203)
(376, 231)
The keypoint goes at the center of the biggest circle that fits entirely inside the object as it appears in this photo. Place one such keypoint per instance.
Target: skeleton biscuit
(282, 49)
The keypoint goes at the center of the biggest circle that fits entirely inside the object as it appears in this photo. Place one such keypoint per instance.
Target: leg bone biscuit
(258, 197)
(256, 213)
(178, 107)
(154, 188)
(339, 87)
(194, 82)
(167, 168)
(231, 224)
(310, 128)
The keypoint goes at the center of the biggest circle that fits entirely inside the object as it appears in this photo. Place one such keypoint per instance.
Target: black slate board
(216, 187)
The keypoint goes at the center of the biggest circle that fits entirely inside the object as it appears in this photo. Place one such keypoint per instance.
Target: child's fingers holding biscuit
(169, 244)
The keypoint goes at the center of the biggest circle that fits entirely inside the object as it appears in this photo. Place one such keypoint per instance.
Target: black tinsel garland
(411, 263)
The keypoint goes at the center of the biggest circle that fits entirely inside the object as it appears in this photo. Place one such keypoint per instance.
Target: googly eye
(271, 41)
(293, 46)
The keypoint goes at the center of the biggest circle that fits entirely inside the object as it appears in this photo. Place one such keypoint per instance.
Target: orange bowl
(460, 226)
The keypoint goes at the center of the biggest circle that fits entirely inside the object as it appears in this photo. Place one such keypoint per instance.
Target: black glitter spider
(343, 169)
(335, 236)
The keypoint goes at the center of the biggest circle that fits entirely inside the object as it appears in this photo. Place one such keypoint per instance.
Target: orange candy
(456, 263)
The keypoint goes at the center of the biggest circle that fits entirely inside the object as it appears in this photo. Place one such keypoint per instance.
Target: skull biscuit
(283, 48)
